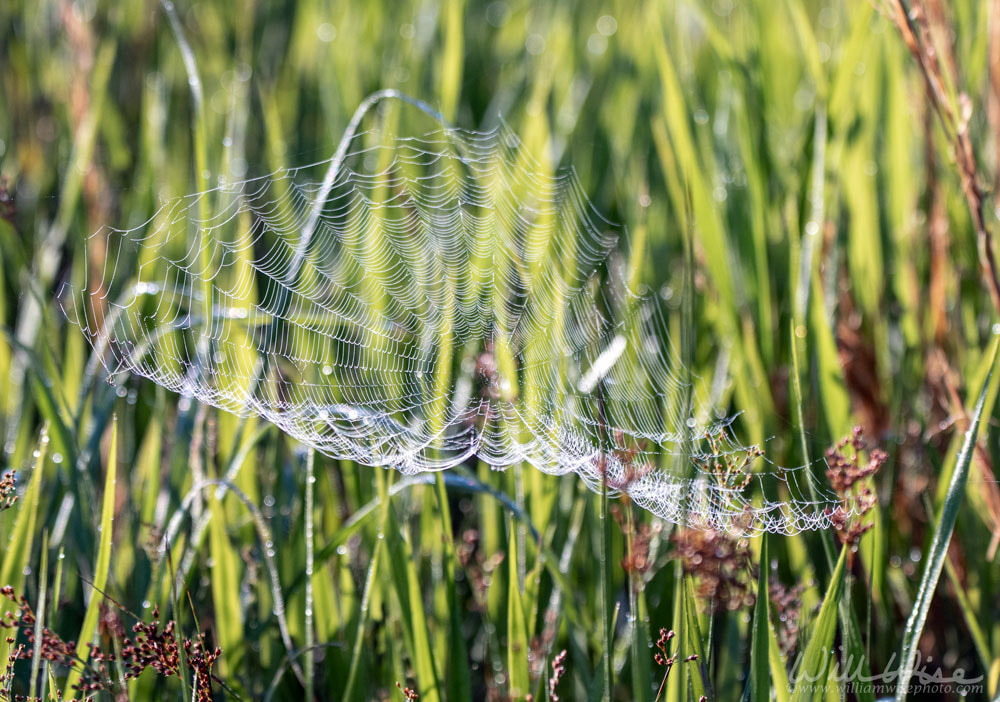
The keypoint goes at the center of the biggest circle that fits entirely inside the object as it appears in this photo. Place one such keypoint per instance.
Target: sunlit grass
(790, 194)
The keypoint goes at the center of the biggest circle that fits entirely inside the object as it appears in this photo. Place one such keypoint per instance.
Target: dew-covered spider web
(436, 299)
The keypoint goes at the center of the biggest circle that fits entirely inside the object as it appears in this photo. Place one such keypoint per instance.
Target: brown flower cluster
(627, 453)
(541, 644)
(730, 469)
(636, 561)
(558, 670)
(51, 648)
(408, 693)
(7, 207)
(151, 647)
(8, 491)
(720, 564)
(847, 472)
(786, 603)
(487, 374)
(665, 659)
(478, 567)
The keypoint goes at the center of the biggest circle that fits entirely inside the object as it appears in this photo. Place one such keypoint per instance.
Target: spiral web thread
(434, 299)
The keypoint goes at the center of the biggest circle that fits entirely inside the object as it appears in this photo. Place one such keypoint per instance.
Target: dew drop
(326, 32)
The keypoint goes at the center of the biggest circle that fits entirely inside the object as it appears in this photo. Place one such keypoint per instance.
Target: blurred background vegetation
(792, 143)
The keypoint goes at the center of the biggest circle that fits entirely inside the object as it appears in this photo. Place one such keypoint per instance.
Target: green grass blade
(776, 665)
(309, 662)
(101, 568)
(36, 653)
(517, 631)
(759, 651)
(451, 57)
(225, 589)
(942, 537)
(17, 554)
(811, 675)
(423, 653)
(607, 632)
(359, 636)
(459, 682)
(697, 671)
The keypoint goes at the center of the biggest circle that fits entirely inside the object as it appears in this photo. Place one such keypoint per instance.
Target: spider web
(434, 299)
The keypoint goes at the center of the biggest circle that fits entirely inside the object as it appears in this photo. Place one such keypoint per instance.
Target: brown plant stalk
(916, 29)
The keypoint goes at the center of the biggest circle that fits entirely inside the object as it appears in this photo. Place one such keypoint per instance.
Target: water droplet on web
(326, 32)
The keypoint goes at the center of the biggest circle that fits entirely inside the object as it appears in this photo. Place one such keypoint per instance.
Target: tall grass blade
(225, 571)
(17, 552)
(459, 682)
(36, 653)
(811, 674)
(517, 631)
(309, 662)
(942, 537)
(760, 682)
(106, 531)
(605, 565)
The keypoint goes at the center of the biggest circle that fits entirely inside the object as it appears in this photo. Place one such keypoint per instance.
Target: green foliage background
(790, 142)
